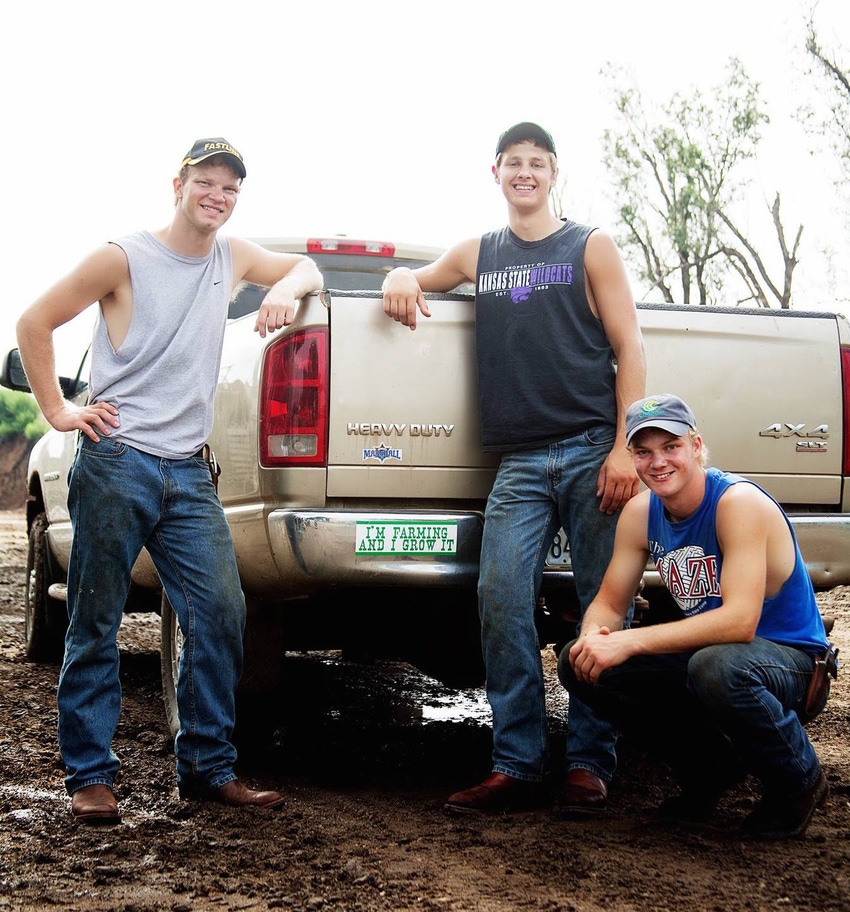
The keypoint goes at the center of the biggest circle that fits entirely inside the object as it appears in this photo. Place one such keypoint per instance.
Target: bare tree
(678, 178)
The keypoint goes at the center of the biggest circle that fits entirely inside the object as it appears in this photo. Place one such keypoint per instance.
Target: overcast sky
(355, 118)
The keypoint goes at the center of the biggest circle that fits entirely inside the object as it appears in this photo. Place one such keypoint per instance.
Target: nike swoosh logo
(217, 283)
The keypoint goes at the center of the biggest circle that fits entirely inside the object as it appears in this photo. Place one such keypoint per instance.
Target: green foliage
(831, 119)
(20, 416)
(677, 175)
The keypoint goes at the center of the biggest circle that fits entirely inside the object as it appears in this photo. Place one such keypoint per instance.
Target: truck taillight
(845, 385)
(347, 245)
(294, 400)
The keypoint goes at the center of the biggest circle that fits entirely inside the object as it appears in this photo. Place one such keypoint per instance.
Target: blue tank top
(545, 366)
(162, 378)
(688, 558)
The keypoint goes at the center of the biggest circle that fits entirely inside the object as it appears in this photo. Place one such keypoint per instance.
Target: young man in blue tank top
(718, 691)
(138, 481)
(554, 313)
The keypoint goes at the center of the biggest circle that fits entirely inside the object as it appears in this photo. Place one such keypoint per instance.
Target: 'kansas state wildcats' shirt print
(521, 281)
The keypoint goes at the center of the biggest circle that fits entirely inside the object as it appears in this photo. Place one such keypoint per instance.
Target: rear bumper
(314, 549)
(824, 540)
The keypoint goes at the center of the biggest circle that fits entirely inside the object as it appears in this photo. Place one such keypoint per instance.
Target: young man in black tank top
(554, 313)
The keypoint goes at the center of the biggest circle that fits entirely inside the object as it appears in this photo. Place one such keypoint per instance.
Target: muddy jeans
(535, 491)
(121, 500)
(708, 711)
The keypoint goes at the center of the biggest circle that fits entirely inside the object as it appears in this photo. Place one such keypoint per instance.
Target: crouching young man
(718, 692)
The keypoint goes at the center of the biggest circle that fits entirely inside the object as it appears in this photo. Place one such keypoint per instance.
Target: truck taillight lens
(845, 379)
(294, 400)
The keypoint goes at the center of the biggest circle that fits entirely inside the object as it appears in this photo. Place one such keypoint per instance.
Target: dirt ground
(366, 755)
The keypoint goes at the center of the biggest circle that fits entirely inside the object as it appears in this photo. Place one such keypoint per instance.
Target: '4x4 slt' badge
(794, 430)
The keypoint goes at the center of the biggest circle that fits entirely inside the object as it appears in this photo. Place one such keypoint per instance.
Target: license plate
(559, 551)
(414, 539)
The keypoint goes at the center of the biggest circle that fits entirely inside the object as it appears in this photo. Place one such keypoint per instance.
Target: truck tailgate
(404, 404)
(766, 388)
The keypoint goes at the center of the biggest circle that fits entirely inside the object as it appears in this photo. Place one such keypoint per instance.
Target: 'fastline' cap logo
(220, 147)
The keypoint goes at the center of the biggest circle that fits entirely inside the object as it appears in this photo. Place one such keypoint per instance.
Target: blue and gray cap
(664, 411)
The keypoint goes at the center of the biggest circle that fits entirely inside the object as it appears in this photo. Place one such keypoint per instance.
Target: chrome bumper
(315, 548)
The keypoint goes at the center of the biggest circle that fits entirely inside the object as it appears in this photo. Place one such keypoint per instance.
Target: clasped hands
(596, 651)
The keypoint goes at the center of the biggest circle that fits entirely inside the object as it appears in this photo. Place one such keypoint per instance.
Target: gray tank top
(162, 378)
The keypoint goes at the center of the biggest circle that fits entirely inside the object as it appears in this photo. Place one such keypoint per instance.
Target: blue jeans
(706, 713)
(534, 493)
(121, 500)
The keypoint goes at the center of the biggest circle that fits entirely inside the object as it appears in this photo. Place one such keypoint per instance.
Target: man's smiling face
(526, 174)
(208, 195)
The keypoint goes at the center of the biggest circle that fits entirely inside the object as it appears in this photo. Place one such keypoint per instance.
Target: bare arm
(290, 276)
(611, 297)
(404, 288)
(101, 276)
(747, 529)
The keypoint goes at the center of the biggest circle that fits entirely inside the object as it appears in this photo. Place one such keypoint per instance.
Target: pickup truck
(354, 483)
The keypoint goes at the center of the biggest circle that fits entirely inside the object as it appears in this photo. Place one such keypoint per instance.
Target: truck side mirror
(13, 376)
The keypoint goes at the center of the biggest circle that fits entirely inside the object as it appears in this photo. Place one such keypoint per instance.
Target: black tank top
(545, 366)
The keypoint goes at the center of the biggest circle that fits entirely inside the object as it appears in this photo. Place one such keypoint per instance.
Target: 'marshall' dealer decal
(381, 453)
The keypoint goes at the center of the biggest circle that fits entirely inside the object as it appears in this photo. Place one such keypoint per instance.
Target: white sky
(372, 119)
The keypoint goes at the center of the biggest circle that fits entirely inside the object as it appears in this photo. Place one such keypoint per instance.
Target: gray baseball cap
(664, 411)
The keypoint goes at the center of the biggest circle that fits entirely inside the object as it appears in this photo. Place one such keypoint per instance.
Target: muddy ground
(366, 755)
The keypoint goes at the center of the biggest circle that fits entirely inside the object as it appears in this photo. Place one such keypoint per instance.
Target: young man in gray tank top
(138, 481)
(553, 313)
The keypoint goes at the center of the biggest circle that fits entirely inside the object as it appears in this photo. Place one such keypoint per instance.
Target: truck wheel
(263, 668)
(171, 642)
(45, 618)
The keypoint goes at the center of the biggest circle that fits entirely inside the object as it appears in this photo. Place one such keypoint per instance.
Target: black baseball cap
(206, 148)
(665, 411)
(525, 131)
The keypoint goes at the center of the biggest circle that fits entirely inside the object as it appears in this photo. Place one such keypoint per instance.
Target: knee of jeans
(565, 669)
(494, 580)
(711, 674)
